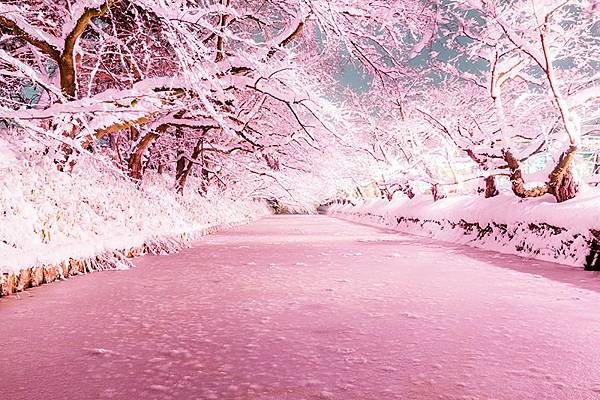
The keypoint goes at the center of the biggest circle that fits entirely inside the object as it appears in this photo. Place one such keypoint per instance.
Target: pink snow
(309, 307)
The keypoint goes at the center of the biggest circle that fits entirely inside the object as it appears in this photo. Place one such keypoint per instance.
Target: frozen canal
(308, 307)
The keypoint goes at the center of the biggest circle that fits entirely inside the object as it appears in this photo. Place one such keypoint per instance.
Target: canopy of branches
(253, 95)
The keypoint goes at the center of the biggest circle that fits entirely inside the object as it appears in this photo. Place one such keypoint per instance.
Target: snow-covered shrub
(48, 216)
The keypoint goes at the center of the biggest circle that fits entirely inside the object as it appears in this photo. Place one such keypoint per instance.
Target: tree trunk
(491, 190)
(567, 188)
(408, 191)
(435, 192)
(517, 181)
(384, 192)
(180, 176)
(360, 193)
(563, 184)
(184, 167)
(114, 145)
(68, 82)
(151, 153)
(135, 160)
(134, 133)
(205, 178)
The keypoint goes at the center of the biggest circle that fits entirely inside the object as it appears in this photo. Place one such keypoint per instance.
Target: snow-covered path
(309, 307)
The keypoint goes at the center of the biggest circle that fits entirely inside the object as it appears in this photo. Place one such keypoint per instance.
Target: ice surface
(309, 307)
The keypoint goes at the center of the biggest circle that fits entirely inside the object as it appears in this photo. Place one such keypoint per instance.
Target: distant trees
(501, 83)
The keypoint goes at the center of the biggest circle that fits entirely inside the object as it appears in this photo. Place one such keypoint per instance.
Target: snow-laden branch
(12, 19)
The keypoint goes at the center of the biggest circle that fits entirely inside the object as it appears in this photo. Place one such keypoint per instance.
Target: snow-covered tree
(541, 77)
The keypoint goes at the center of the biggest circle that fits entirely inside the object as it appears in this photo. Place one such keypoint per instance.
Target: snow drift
(566, 233)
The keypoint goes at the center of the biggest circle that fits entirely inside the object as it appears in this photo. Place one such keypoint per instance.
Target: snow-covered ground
(538, 228)
(309, 307)
(48, 217)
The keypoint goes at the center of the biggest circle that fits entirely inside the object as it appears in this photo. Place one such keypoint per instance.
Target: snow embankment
(566, 233)
(54, 224)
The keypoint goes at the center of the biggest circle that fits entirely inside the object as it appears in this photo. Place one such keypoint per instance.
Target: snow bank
(96, 218)
(566, 233)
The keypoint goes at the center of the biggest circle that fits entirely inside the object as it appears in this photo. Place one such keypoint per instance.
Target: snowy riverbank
(539, 228)
(55, 224)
